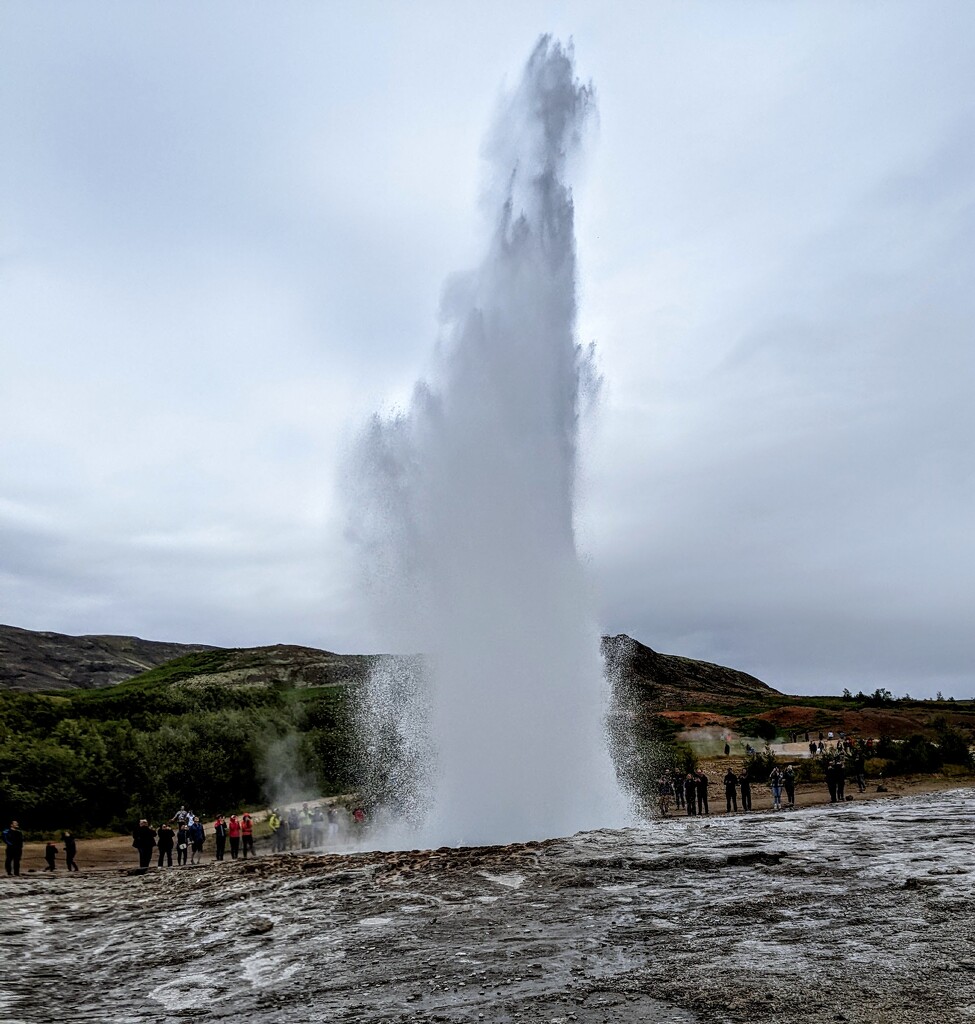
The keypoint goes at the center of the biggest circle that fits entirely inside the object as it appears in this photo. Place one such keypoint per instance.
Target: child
(50, 853)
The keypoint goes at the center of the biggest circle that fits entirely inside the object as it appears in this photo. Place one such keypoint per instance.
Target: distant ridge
(669, 681)
(33, 661)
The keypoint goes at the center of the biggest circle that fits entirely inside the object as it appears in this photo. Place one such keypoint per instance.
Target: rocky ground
(859, 912)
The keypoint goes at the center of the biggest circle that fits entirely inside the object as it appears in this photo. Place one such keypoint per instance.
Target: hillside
(670, 682)
(280, 666)
(32, 661)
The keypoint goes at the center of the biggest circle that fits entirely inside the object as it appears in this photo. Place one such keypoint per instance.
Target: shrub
(759, 764)
(756, 727)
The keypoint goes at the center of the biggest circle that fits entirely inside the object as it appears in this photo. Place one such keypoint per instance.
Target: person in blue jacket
(197, 835)
(13, 842)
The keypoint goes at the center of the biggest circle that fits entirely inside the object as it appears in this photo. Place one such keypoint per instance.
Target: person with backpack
(13, 841)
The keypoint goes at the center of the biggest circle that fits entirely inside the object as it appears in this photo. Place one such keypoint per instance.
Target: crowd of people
(291, 829)
(185, 836)
(689, 792)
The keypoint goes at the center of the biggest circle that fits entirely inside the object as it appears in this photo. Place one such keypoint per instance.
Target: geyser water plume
(463, 507)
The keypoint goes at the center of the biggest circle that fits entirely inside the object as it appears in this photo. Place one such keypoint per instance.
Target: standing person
(233, 834)
(840, 775)
(727, 749)
(664, 793)
(731, 791)
(144, 840)
(789, 781)
(333, 823)
(306, 824)
(690, 794)
(247, 834)
(318, 827)
(165, 838)
(746, 792)
(181, 817)
(274, 824)
(701, 785)
(830, 773)
(220, 835)
(13, 841)
(294, 826)
(678, 781)
(284, 830)
(859, 769)
(70, 849)
(50, 855)
(197, 835)
(775, 781)
(182, 844)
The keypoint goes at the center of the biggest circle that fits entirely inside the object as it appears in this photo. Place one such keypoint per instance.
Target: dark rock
(258, 926)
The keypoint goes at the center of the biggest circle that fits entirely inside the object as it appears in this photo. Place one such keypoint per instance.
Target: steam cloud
(463, 509)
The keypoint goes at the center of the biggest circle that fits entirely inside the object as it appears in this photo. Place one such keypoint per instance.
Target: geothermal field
(859, 913)
(501, 878)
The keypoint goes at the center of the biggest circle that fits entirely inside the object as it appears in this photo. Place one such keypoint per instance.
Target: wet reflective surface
(860, 913)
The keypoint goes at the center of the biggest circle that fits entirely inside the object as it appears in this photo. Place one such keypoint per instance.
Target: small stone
(258, 926)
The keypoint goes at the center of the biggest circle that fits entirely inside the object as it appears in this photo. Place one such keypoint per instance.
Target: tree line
(97, 759)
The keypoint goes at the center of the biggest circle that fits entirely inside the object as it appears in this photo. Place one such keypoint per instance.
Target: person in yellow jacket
(274, 822)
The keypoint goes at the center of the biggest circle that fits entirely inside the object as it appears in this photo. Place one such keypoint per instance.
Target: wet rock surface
(860, 913)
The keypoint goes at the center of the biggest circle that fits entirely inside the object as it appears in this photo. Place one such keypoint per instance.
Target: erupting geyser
(464, 512)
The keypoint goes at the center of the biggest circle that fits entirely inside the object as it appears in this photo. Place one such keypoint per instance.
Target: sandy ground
(116, 853)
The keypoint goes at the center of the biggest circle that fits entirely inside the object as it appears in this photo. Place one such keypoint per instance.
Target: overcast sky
(224, 229)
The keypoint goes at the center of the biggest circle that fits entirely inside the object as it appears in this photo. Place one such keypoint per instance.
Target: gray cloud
(225, 235)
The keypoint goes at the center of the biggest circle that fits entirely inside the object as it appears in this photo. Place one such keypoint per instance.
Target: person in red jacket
(233, 834)
(247, 834)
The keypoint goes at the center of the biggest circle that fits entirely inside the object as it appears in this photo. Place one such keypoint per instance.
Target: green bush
(759, 727)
